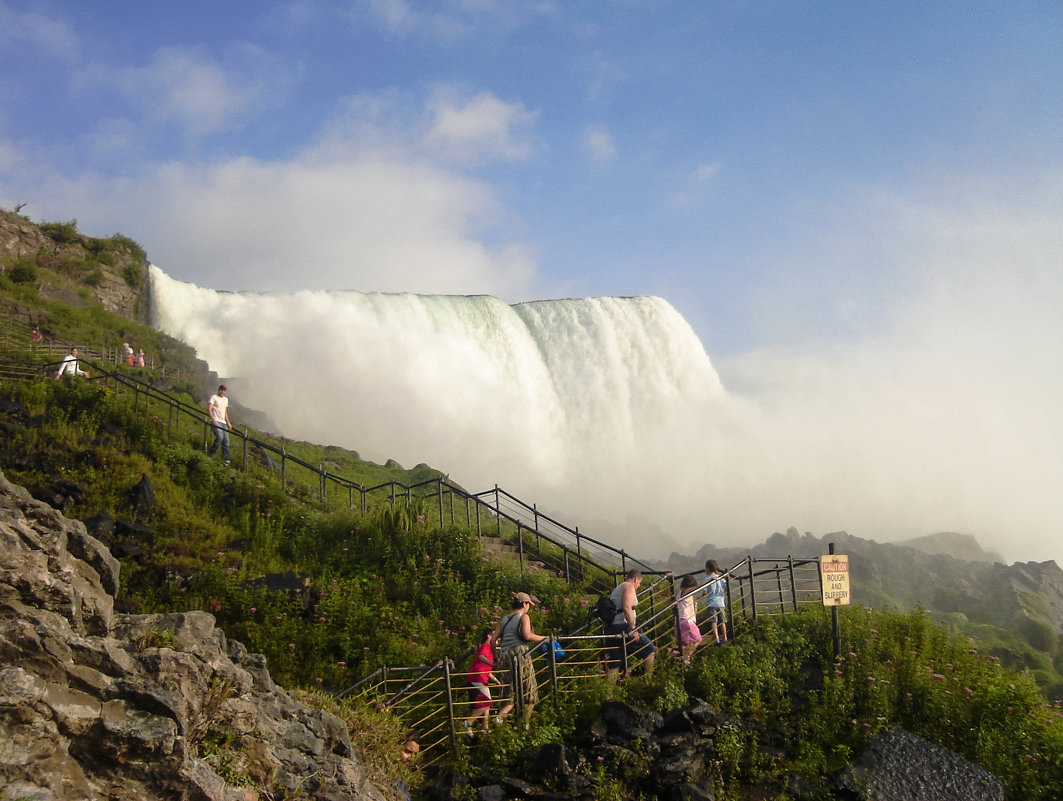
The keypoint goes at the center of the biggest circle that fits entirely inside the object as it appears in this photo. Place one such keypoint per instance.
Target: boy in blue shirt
(716, 601)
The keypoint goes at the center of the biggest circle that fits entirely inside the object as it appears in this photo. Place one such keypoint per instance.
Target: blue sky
(751, 162)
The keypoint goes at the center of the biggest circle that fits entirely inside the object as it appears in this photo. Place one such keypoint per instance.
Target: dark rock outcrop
(98, 704)
(899, 766)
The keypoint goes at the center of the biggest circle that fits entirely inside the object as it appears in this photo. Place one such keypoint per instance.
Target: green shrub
(130, 246)
(64, 233)
(133, 275)
(23, 271)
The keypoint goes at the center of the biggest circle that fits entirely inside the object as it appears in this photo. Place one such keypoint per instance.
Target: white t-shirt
(219, 406)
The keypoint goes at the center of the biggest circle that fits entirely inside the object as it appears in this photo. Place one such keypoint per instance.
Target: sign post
(834, 579)
(835, 570)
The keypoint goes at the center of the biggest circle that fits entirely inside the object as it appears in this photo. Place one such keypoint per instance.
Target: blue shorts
(638, 649)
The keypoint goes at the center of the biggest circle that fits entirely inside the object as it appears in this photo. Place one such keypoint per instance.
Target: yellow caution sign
(834, 573)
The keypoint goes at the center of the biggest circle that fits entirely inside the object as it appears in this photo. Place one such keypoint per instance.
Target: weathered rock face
(96, 704)
(21, 238)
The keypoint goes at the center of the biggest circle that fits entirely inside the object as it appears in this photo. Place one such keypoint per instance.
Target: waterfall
(608, 414)
(569, 398)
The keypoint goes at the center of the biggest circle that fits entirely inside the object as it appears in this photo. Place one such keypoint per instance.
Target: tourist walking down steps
(514, 636)
(218, 415)
(625, 598)
(70, 366)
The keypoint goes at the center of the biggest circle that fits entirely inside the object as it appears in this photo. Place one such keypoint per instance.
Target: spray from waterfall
(608, 413)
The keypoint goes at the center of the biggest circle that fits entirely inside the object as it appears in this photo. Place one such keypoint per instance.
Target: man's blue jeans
(221, 437)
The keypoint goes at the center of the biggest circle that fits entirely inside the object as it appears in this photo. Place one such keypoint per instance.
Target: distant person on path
(69, 366)
(514, 636)
(218, 414)
(625, 599)
(480, 678)
(140, 358)
(716, 601)
(36, 335)
(127, 354)
(687, 614)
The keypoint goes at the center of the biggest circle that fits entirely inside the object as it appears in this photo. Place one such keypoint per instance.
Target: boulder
(99, 704)
(900, 766)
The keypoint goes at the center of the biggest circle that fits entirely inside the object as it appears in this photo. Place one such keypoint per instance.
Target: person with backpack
(716, 601)
(514, 637)
(625, 599)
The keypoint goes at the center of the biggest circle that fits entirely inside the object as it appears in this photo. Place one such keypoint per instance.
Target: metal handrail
(178, 407)
(438, 692)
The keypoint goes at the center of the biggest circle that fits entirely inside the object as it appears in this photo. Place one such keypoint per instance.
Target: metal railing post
(835, 624)
(440, 496)
(553, 670)
(450, 704)
(752, 588)
(793, 580)
(778, 583)
(730, 611)
(498, 514)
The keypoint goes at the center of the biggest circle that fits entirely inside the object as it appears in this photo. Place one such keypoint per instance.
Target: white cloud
(395, 15)
(483, 127)
(450, 20)
(706, 172)
(599, 143)
(363, 208)
(52, 36)
(201, 95)
(372, 223)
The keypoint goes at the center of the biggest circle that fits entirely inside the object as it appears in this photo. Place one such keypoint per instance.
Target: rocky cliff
(112, 270)
(97, 704)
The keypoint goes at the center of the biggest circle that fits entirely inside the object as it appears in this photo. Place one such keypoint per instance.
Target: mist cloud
(945, 417)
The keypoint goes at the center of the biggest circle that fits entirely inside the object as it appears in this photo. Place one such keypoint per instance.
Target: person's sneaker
(499, 720)
(719, 642)
(468, 728)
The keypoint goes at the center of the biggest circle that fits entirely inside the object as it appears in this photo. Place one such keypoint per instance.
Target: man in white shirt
(70, 365)
(218, 414)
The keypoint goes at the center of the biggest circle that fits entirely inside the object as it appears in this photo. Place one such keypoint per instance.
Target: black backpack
(604, 611)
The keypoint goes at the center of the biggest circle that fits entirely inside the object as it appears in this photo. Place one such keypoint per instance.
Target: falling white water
(557, 400)
(607, 413)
